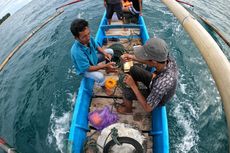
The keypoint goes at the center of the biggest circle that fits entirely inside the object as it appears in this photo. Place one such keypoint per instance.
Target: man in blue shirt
(86, 54)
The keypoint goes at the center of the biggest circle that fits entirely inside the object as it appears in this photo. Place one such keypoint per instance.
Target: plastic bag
(102, 118)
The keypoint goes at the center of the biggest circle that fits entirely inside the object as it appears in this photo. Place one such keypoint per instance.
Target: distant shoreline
(4, 18)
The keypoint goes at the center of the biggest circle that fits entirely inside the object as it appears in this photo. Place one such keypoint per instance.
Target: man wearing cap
(160, 85)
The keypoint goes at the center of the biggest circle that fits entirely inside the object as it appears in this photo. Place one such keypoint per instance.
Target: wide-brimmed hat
(154, 49)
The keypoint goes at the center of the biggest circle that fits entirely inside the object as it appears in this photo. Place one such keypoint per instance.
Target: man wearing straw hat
(160, 85)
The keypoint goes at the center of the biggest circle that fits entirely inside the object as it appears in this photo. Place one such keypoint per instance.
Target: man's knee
(109, 51)
(128, 94)
(99, 77)
(133, 70)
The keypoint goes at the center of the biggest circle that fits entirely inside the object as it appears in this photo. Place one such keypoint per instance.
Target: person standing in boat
(161, 84)
(111, 7)
(86, 54)
(134, 8)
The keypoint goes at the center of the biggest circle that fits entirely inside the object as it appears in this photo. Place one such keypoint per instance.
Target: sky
(11, 6)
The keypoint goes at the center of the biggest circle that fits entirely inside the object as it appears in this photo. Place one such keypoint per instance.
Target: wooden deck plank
(123, 32)
(139, 118)
(127, 43)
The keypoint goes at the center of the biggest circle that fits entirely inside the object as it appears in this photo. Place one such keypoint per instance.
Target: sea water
(38, 84)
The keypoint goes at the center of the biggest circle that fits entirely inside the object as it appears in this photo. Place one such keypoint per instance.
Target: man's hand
(110, 65)
(108, 56)
(129, 80)
(127, 57)
(111, 68)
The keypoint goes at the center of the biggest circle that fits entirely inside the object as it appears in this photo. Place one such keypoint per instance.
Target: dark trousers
(139, 75)
(111, 8)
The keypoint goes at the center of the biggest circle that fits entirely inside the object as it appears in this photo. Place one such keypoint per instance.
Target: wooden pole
(211, 52)
(28, 38)
(215, 29)
(208, 23)
(75, 1)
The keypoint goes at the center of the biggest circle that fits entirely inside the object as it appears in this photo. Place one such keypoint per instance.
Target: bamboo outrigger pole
(57, 13)
(211, 52)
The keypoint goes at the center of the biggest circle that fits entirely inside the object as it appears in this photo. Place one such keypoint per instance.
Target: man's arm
(107, 55)
(101, 50)
(129, 57)
(101, 66)
(141, 99)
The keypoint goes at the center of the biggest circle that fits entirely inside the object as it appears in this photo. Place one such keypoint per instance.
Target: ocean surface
(38, 84)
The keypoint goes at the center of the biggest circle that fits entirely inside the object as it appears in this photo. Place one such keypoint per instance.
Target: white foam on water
(80, 15)
(183, 88)
(190, 138)
(59, 127)
(72, 98)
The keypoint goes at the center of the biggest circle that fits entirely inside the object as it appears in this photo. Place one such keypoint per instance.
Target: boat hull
(79, 124)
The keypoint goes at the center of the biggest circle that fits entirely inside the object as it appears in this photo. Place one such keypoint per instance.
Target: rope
(114, 135)
(91, 143)
(207, 23)
(57, 13)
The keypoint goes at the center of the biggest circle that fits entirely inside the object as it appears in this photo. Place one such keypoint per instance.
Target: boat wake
(190, 138)
(59, 127)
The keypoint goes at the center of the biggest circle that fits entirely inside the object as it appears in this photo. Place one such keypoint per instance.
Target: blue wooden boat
(79, 124)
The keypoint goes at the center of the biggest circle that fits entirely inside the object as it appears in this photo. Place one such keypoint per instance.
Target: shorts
(111, 8)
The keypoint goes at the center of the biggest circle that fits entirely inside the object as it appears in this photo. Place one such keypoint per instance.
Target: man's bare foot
(123, 110)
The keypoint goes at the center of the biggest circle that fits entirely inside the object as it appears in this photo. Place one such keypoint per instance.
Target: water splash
(59, 129)
(190, 137)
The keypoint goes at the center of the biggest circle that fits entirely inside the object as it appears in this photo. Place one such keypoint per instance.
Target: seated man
(161, 84)
(84, 53)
